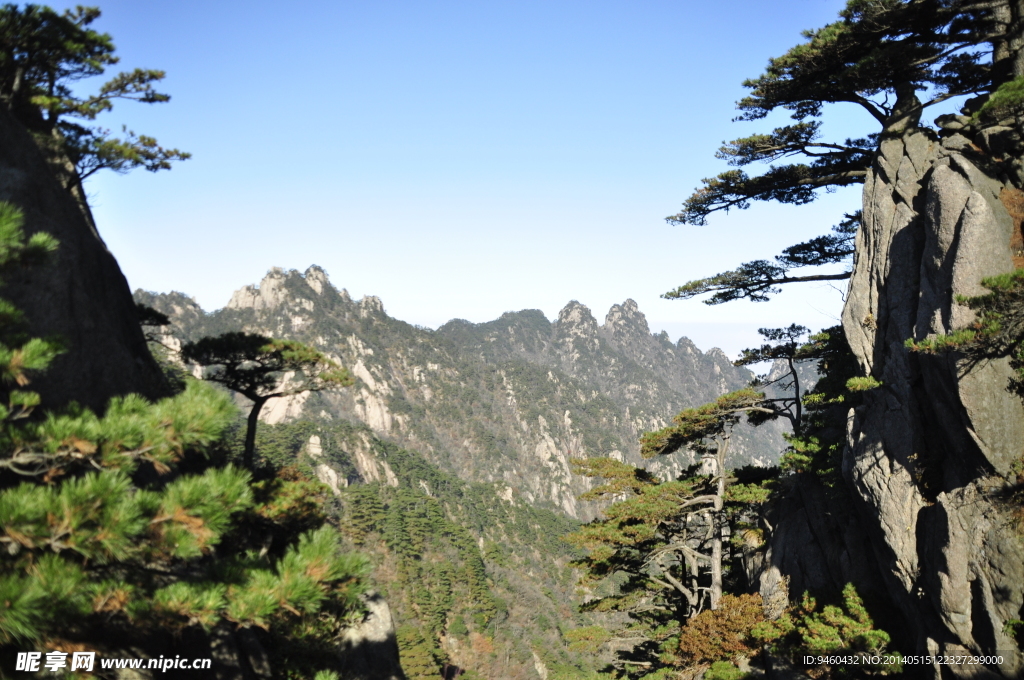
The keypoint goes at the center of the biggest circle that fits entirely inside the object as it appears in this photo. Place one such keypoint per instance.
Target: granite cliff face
(509, 401)
(931, 452)
(79, 295)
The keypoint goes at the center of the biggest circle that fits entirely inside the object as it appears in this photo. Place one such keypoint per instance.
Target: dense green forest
(451, 557)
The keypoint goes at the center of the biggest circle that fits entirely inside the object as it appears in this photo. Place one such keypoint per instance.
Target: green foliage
(15, 249)
(588, 639)
(845, 630)
(121, 523)
(645, 551)
(20, 356)
(997, 332)
(261, 368)
(758, 280)
(619, 478)
(747, 493)
(420, 659)
(1014, 628)
(783, 343)
(458, 627)
(723, 670)
(1006, 100)
(862, 383)
(254, 365)
(818, 447)
(878, 56)
(695, 425)
(44, 55)
(299, 582)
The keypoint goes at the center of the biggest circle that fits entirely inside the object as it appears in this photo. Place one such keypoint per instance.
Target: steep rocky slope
(79, 296)
(479, 581)
(509, 401)
(931, 453)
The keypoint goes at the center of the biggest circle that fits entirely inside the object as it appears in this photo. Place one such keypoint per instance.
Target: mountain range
(510, 401)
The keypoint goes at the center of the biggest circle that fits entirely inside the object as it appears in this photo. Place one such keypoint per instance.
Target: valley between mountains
(507, 402)
(449, 459)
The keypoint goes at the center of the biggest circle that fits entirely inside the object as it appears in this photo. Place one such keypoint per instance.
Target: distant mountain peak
(508, 400)
(316, 278)
(278, 287)
(627, 317)
(268, 294)
(577, 314)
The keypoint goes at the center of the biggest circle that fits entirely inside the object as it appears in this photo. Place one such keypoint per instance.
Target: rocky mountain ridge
(509, 401)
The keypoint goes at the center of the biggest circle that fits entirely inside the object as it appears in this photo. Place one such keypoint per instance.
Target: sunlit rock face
(930, 451)
(510, 401)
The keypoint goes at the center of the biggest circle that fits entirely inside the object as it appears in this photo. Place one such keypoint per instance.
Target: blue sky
(457, 159)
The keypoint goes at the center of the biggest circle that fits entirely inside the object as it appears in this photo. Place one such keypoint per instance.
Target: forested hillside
(510, 401)
(479, 582)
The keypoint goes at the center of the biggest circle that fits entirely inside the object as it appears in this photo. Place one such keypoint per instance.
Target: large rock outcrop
(369, 650)
(79, 296)
(931, 452)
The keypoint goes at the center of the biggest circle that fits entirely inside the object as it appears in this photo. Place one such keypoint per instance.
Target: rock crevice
(929, 451)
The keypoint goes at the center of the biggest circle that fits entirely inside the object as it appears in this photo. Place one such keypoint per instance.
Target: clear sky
(456, 159)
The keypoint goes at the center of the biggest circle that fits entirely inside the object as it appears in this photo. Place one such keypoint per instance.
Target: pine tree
(845, 631)
(43, 55)
(667, 538)
(92, 507)
(260, 368)
(419, 658)
(878, 56)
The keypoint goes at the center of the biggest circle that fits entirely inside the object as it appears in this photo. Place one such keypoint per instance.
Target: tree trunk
(1008, 47)
(718, 517)
(250, 433)
(798, 421)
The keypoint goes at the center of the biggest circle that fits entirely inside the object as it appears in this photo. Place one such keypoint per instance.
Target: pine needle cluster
(833, 630)
(119, 526)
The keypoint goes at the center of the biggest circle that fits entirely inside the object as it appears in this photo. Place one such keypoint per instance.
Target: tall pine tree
(892, 58)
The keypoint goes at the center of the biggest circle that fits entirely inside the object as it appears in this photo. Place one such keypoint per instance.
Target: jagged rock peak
(370, 304)
(272, 291)
(718, 355)
(578, 316)
(316, 278)
(269, 294)
(627, 318)
(686, 345)
(182, 306)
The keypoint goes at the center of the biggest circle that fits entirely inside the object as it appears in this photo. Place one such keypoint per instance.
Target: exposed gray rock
(929, 450)
(510, 401)
(79, 296)
(369, 651)
(999, 140)
(818, 545)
